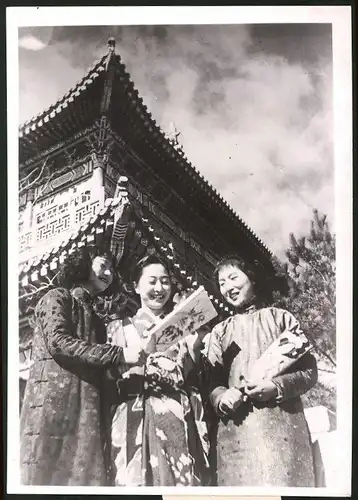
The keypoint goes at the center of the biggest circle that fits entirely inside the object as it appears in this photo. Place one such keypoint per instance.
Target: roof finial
(173, 133)
(111, 44)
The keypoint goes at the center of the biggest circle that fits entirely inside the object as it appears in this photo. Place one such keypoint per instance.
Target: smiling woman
(262, 437)
(159, 434)
(64, 417)
(90, 268)
(152, 283)
(235, 286)
(101, 274)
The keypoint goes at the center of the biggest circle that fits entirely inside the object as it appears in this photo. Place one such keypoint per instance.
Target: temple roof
(85, 103)
(78, 108)
(37, 274)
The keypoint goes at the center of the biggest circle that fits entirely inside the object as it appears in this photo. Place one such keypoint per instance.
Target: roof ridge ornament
(110, 70)
(111, 44)
(172, 136)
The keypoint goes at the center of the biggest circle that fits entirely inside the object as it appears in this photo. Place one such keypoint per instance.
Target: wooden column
(97, 180)
(27, 217)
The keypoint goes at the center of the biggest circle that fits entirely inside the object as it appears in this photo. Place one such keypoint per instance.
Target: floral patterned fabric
(65, 433)
(159, 434)
(262, 444)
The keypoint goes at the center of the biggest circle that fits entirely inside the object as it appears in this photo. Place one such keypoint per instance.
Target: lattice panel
(61, 213)
(53, 228)
(25, 241)
(85, 212)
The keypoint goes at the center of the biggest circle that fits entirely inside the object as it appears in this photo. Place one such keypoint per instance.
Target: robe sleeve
(215, 379)
(191, 358)
(299, 381)
(303, 375)
(188, 358)
(54, 314)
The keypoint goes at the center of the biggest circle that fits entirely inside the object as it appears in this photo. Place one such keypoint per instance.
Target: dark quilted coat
(263, 444)
(64, 420)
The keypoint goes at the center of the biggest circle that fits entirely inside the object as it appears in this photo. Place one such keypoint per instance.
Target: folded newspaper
(186, 317)
(280, 355)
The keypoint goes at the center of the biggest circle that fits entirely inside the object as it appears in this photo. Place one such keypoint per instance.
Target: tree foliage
(312, 273)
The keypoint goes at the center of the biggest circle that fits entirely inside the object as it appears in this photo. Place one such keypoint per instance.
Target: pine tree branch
(321, 351)
(315, 269)
(326, 370)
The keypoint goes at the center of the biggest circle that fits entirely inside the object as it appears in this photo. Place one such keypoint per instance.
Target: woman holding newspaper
(159, 436)
(258, 368)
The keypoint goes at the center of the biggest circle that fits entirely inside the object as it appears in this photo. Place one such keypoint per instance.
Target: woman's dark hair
(233, 260)
(147, 260)
(77, 266)
(266, 283)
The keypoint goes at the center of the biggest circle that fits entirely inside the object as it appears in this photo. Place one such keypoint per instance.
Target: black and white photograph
(180, 227)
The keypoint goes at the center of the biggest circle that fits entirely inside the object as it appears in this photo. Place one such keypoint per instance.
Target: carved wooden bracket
(121, 220)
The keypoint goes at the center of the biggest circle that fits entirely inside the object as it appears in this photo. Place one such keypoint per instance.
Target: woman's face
(235, 286)
(101, 273)
(154, 287)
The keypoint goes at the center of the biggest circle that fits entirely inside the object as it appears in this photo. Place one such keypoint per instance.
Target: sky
(253, 104)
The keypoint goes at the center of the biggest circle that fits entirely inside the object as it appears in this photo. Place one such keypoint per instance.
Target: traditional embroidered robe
(159, 434)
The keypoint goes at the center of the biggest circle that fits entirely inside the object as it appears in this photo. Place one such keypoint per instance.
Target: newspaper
(280, 355)
(186, 317)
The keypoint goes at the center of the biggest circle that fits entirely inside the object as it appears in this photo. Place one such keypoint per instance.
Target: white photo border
(340, 18)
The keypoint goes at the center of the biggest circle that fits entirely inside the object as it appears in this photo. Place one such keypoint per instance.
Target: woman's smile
(106, 276)
(233, 295)
(159, 296)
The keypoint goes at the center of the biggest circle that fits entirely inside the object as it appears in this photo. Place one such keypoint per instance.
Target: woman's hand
(134, 355)
(261, 390)
(230, 400)
(181, 296)
(148, 342)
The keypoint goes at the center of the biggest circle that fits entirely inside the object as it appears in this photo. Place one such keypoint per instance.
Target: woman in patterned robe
(159, 435)
(262, 437)
(65, 436)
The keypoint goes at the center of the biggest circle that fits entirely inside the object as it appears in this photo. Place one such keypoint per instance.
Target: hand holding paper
(149, 342)
(134, 355)
(278, 357)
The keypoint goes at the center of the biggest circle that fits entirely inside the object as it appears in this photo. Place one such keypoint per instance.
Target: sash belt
(128, 388)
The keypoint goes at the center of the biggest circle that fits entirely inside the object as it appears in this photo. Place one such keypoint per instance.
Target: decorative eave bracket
(110, 64)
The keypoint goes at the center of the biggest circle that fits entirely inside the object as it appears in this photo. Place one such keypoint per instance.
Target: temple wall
(58, 210)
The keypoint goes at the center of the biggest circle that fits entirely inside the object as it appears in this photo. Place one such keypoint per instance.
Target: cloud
(255, 118)
(257, 125)
(31, 43)
(35, 38)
